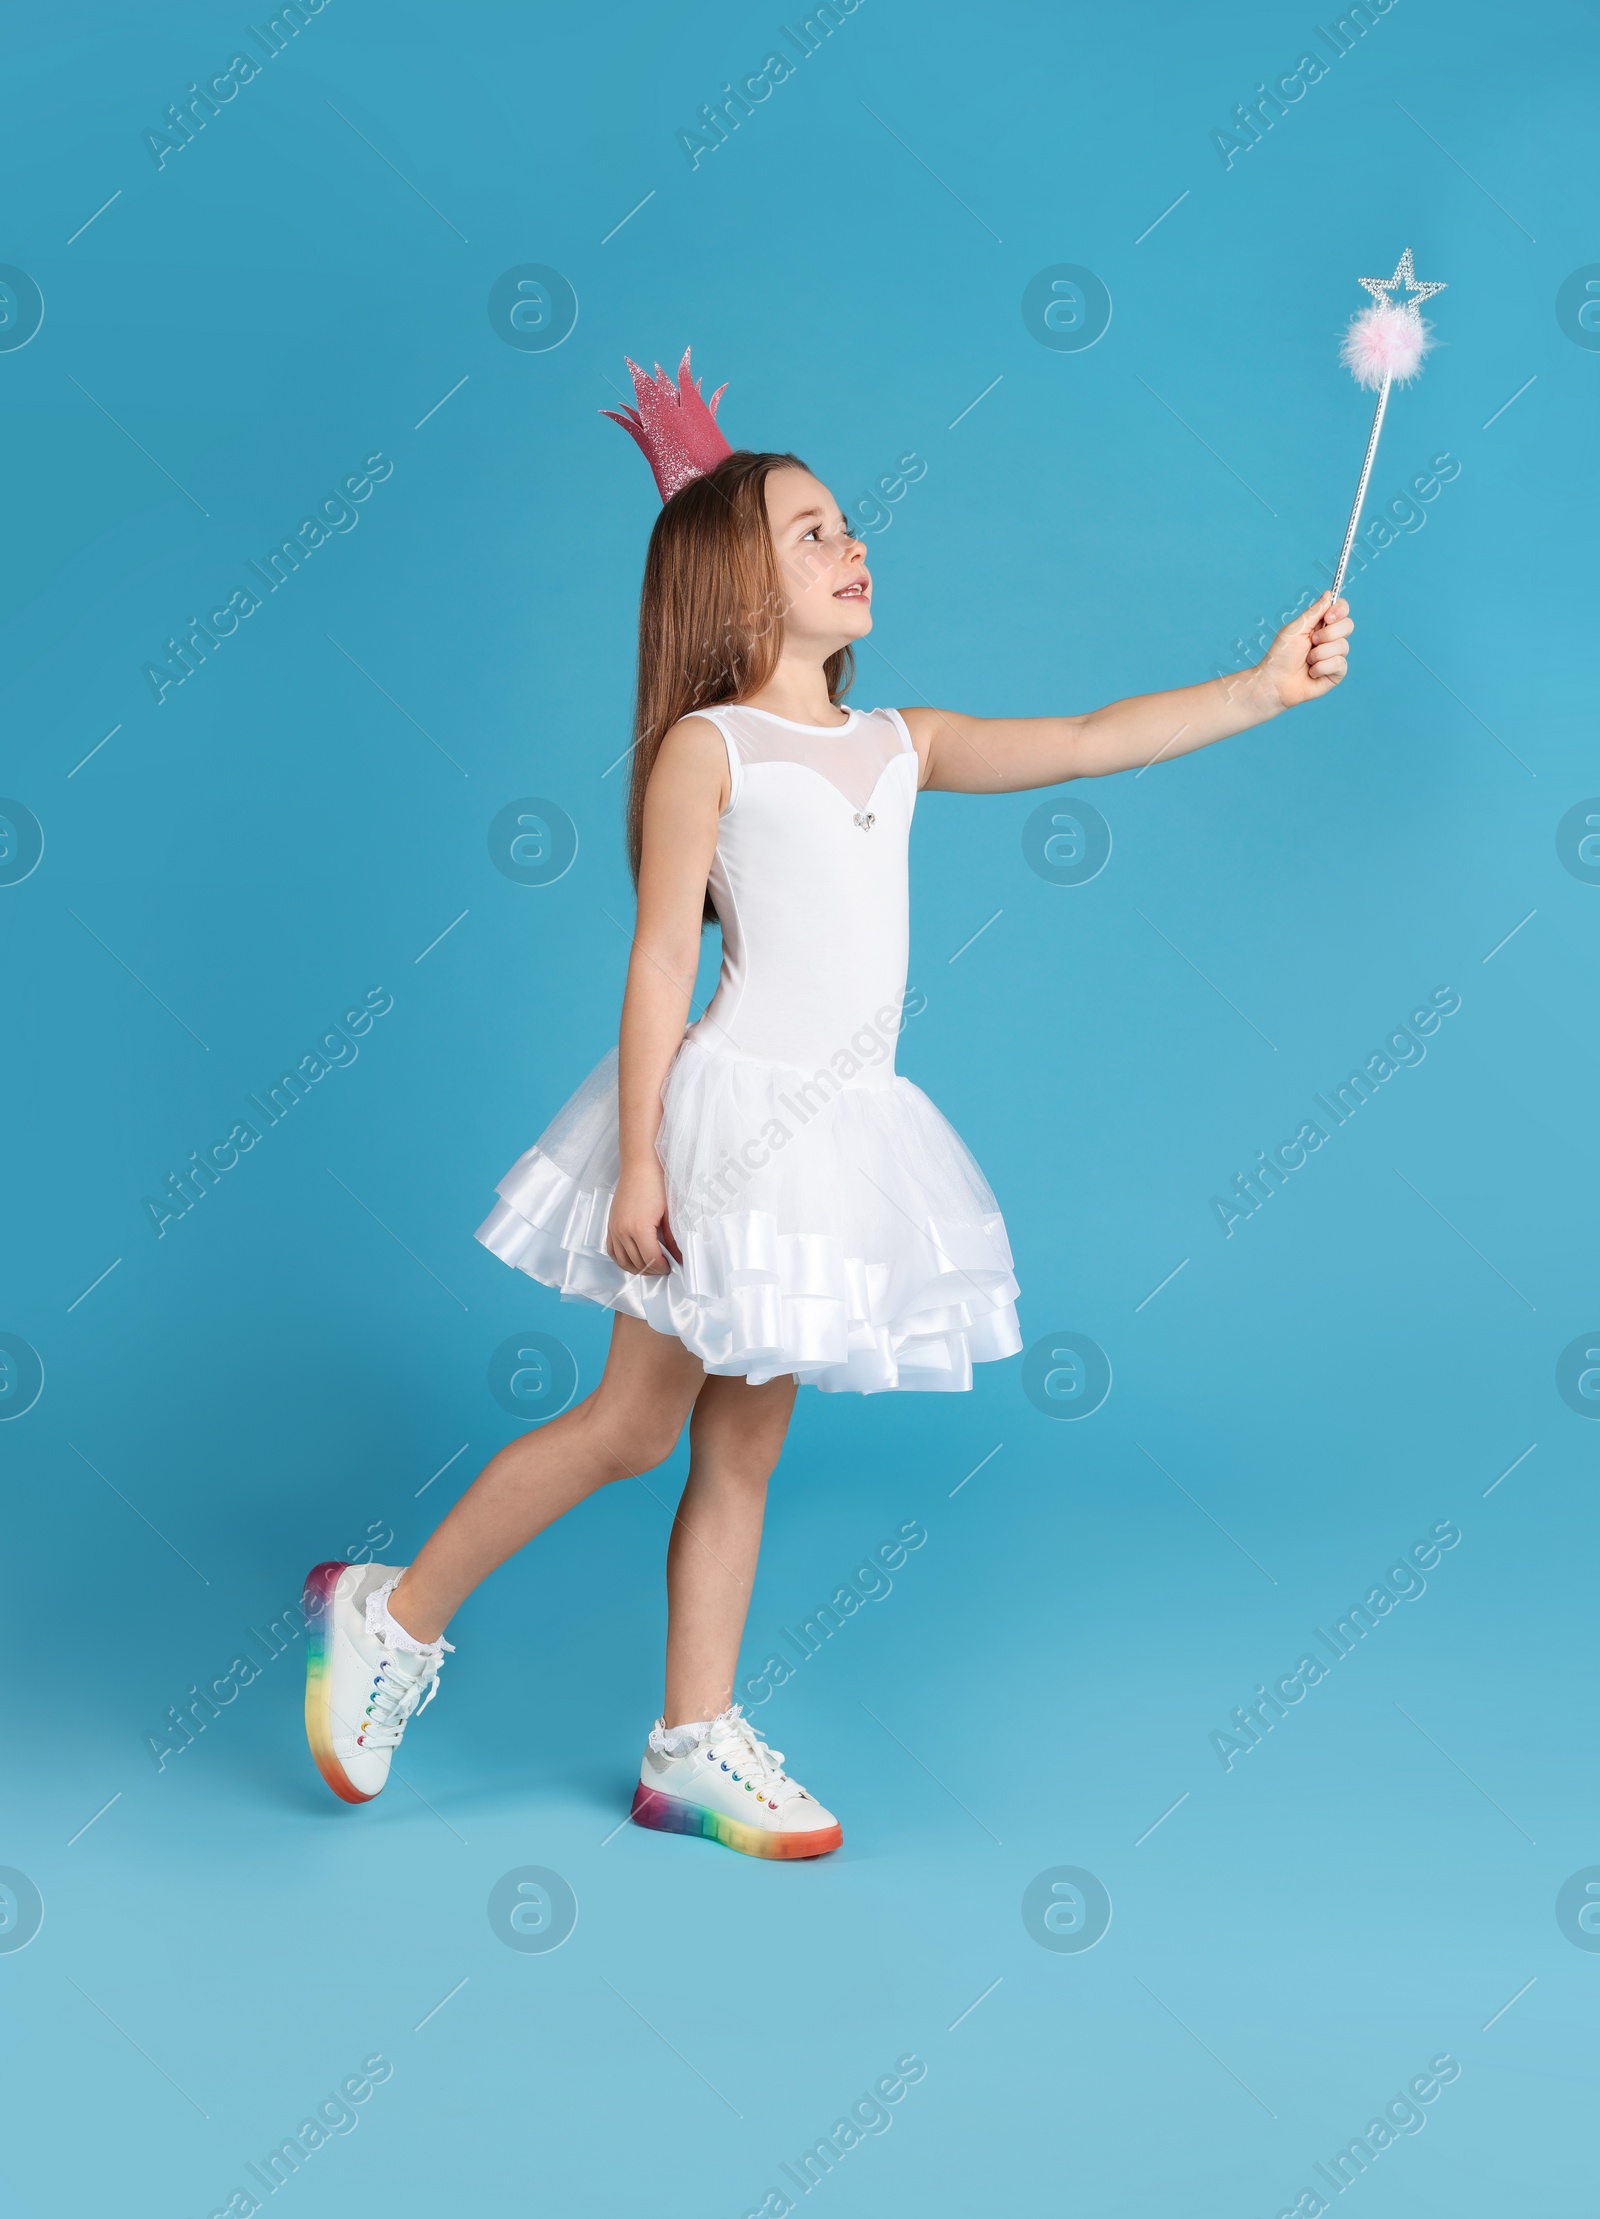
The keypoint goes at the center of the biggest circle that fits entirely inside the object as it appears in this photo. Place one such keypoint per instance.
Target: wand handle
(1361, 489)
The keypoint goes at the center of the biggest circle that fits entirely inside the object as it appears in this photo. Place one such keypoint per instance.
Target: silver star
(1413, 290)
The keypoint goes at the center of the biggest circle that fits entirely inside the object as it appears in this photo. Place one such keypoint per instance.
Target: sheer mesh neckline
(748, 709)
(851, 757)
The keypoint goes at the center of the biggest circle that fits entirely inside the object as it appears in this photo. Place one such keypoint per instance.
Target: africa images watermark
(338, 512)
(186, 1723)
(1254, 1189)
(868, 1583)
(184, 124)
(872, 1043)
(891, 487)
(1403, 513)
(334, 1050)
(336, 2114)
(717, 119)
(183, 1727)
(1251, 121)
(869, 2114)
(1402, 1583)
(1402, 2114)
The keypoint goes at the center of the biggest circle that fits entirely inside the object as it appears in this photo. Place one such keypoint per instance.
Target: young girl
(760, 1200)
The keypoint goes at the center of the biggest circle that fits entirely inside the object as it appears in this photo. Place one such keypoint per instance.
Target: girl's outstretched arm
(687, 792)
(999, 755)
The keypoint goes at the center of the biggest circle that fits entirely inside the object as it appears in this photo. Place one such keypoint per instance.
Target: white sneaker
(733, 1789)
(360, 1693)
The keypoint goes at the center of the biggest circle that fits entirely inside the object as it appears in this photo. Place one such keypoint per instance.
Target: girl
(760, 1201)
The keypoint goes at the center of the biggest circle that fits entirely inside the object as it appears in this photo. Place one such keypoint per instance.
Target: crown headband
(673, 428)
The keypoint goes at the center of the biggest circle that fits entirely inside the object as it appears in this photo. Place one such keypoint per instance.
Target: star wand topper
(1384, 346)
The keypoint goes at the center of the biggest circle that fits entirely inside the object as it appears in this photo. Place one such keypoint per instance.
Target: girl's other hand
(1310, 655)
(638, 1230)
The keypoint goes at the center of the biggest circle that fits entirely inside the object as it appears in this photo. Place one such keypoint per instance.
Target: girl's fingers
(627, 1255)
(1324, 614)
(640, 1255)
(1334, 629)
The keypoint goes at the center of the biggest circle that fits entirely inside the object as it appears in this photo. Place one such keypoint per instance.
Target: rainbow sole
(317, 1603)
(669, 1814)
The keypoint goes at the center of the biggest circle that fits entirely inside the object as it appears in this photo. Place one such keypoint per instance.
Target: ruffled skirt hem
(870, 1259)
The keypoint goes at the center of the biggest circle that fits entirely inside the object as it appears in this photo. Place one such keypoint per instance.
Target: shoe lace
(397, 1696)
(735, 1744)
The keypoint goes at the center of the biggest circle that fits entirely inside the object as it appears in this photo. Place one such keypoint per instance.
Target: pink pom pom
(1385, 342)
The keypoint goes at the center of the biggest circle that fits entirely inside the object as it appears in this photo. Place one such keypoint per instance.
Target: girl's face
(827, 592)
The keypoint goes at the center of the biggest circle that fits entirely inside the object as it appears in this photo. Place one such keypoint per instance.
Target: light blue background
(285, 1368)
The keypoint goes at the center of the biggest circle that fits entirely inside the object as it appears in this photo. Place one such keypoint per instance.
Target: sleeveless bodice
(829, 1225)
(809, 882)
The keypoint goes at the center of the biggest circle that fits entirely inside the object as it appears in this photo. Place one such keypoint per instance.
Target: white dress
(832, 1224)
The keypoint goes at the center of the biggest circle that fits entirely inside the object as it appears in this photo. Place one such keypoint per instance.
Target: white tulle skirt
(842, 1234)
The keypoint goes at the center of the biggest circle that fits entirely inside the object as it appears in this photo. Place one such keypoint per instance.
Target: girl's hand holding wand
(1309, 656)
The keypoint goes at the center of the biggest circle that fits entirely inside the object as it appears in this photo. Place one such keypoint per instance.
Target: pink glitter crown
(673, 428)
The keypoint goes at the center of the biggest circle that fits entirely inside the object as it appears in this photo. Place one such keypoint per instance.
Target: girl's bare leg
(630, 1423)
(735, 1436)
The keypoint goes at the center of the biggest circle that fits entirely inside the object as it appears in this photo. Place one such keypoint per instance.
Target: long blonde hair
(710, 612)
